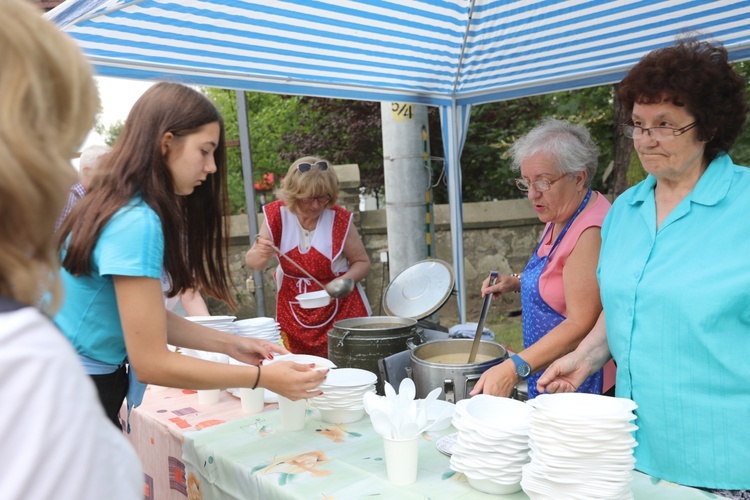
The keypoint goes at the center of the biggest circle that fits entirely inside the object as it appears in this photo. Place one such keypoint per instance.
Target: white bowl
(342, 415)
(350, 377)
(493, 488)
(441, 412)
(260, 322)
(589, 407)
(312, 300)
(211, 319)
(304, 359)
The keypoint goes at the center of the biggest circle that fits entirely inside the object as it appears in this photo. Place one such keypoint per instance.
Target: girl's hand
(292, 380)
(254, 351)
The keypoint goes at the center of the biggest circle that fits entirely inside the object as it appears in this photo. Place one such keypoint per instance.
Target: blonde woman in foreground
(54, 437)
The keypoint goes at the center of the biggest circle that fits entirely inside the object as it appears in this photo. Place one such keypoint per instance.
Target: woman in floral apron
(306, 224)
(559, 291)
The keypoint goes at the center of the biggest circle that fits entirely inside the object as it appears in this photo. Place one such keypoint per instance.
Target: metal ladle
(337, 288)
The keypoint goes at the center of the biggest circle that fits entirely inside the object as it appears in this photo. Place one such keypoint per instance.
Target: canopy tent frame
(447, 53)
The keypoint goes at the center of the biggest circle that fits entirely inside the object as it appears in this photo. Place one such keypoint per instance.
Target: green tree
(110, 133)
(284, 128)
(270, 118)
(343, 132)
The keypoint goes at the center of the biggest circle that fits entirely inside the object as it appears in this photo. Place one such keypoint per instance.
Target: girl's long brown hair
(194, 226)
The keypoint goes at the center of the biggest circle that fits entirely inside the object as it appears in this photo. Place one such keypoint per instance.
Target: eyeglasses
(541, 185)
(306, 166)
(658, 133)
(323, 200)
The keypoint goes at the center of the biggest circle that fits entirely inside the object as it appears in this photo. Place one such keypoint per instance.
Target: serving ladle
(337, 288)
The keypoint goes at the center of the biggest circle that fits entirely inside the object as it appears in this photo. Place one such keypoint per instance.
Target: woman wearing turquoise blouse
(159, 203)
(674, 273)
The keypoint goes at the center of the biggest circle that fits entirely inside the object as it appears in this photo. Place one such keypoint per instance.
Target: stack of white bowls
(581, 447)
(343, 393)
(258, 328)
(223, 323)
(492, 442)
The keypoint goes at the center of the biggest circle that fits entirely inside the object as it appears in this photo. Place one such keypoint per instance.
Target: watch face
(523, 369)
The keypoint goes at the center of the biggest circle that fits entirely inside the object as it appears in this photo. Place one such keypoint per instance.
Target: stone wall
(498, 236)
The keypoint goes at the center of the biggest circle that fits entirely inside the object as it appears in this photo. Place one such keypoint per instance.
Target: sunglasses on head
(307, 166)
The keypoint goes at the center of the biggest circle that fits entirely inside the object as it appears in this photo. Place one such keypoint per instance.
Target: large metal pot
(361, 342)
(439, 364)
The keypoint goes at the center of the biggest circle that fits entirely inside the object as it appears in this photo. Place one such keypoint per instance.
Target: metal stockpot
(456, 379)
(361, 342)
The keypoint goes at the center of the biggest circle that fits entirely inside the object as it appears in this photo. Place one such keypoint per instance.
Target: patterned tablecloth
(156, 432)
(252, 458)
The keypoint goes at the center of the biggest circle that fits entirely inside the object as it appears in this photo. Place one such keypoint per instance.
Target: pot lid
(419, 290)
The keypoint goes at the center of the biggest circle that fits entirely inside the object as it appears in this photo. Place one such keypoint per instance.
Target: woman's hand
(497, 381)
(504, 284)
(263, 247)
(292, 380)
(565, 374)
(261, 252)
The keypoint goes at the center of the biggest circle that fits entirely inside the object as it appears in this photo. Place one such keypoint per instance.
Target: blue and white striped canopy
(434, 52)
(447, 53)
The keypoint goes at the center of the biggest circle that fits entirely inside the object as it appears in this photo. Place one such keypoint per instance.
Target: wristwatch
(523, 369)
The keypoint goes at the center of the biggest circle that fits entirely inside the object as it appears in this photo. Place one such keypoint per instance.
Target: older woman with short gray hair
(559, 292)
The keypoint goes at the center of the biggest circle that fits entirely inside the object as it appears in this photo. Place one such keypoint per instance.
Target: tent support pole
(247, 175)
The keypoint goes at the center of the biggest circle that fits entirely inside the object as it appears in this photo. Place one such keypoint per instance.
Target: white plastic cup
(252, 399)
(292, 413)
(401, 459)
(208, 396)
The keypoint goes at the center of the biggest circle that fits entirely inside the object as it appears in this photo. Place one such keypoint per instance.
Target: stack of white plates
(223, 323)
(343, 393)
(258, 328)
(492, 442)
(581, 447)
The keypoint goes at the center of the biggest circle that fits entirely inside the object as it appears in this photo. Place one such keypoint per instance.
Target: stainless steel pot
(438, 364)
(361, 342)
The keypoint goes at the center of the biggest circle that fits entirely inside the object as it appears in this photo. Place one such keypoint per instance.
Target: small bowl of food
(313, 300)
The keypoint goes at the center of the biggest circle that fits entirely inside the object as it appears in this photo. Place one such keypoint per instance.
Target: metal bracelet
(255, 385)
(516, 275)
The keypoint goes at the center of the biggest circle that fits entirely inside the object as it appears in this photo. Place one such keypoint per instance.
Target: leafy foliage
(109, 133)
(343, 132)
(284, 128)
(270, 119)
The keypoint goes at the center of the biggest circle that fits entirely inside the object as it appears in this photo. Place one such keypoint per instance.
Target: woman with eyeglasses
(159, 205)
(306, 224)
(559, 293)
(674, 273)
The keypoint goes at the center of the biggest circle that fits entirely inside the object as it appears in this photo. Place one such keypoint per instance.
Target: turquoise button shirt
(677, 304)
